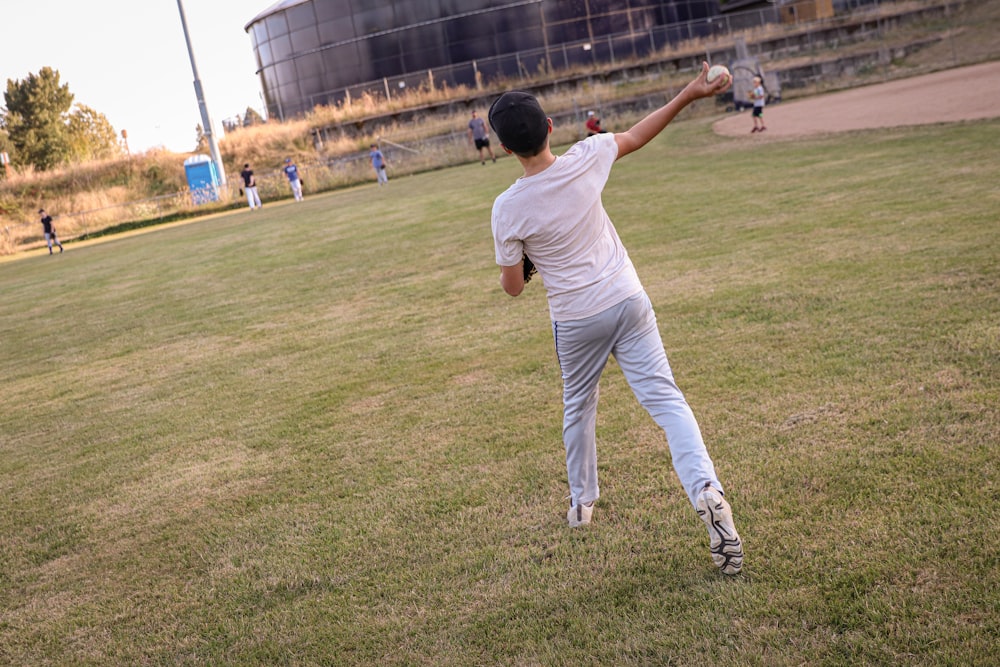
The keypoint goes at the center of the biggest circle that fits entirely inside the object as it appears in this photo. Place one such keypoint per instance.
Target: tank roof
(273, 9)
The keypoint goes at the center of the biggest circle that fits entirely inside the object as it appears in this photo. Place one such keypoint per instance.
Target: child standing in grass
(378, 164)
(554, 215)
(250, 185)
(758, 95)
(294, 181)
(480, 137)
(50, 230)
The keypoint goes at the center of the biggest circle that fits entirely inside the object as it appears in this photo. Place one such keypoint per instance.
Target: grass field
(319, 434)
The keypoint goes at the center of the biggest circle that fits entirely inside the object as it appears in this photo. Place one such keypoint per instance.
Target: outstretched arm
(642, 132)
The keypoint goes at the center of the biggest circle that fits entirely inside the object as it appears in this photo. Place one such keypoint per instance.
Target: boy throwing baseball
(598, 307)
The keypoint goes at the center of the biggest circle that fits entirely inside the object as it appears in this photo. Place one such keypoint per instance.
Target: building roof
(273, 9)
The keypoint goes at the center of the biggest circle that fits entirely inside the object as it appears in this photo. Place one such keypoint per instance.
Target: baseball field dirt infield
(965, 93)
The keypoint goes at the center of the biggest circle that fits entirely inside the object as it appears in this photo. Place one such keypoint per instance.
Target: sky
(128, 60)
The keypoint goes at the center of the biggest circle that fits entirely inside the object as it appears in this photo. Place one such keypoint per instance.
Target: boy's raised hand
(639, 134)
(702, 88)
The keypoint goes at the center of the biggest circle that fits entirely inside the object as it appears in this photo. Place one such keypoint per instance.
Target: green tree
(5, 147)
(251, 117)
(91, 136)
(36, 119)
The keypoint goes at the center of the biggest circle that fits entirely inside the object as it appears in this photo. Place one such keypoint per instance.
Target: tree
(5, 147)
(42, 130)
(91, 136)
(251, 117)
(35, 118)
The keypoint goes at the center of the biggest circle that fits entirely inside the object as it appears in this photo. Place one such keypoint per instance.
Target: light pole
(206, 120)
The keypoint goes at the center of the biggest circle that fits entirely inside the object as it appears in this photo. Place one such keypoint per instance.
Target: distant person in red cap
(594, 124)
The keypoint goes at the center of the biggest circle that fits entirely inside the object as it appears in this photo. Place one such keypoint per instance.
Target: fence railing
(77, 224)
(345, 170)
(579, 54)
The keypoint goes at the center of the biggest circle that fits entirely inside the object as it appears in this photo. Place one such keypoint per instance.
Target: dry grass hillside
(97, 198)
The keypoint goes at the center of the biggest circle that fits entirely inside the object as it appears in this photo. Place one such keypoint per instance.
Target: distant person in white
(758, 95)
(250, 187)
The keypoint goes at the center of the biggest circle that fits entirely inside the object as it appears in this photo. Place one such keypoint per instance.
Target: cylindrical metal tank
(316, 52)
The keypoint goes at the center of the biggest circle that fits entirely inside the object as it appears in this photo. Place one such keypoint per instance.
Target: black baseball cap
(519, 122)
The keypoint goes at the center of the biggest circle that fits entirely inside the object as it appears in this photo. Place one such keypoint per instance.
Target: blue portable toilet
(202, 178)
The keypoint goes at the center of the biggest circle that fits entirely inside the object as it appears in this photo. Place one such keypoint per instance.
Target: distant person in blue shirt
(292, 172)
(378, 164)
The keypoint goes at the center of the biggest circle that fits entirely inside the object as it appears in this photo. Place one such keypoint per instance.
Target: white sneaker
(580, 515)
(724, 541)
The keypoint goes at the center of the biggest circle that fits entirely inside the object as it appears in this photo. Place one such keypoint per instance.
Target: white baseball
(715, 71)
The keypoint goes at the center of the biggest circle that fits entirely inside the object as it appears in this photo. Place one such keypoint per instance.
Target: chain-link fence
(411, 156)
(82, 224)
(580, 55)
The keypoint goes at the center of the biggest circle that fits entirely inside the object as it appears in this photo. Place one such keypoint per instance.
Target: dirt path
(966, 93)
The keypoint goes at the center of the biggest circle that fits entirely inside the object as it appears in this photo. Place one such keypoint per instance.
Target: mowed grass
(321, 434)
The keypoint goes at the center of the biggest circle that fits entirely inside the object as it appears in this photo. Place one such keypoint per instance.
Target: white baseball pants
(628, 331)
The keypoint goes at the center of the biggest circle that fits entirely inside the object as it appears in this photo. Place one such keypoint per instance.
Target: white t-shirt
(558, 219)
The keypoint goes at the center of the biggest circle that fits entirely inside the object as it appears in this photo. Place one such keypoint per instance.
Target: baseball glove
(529, 269)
